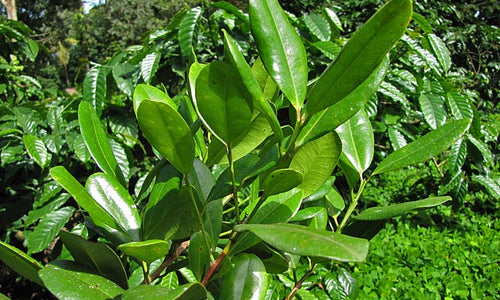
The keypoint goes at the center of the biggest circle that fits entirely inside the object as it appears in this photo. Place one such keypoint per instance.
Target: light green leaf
(280, 49)
(97, 142)
(147, 251)
(316, 160)
(149, 66)
(98, 256)
(199, 255)
(48, 228)
(281, 180)
(429, 145)
(364, 51)
(190, 291)
(167, 131)
(397, 139)
(333, 18)
(387, 212)
(247, 279)
(432, 107)
(489, 183)
(188, 30)
(459, 105)
(20, 262)
(301, 240)
(329, 49)
(147, 92)
(458, 153)
(37, 150)
(94, 87)
(318, 26)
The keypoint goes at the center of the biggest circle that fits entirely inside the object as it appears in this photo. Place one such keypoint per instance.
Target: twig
(168, 260)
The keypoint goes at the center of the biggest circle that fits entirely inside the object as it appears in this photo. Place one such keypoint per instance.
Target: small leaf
(440, 51)
(391, 211)
(94, 87)
(281, 180)
(432, 107)
(48, 228)
(305, 241)
(199, 255)
(20, 262)
(188, 30)
(97, 142)
(232, 10)
(247, 279)
(429, 145)
(97, 256)
(280, 49)
(75, 283)
(333, 18)
(490, 184)
(147, 251)
(397, 139)
(318, 26)
(149, 66)
(37, 150)
(167, 131)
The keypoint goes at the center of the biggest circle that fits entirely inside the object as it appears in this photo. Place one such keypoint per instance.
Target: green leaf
(318, 26)
(357, 142)
(364, 51)
(329, 49)
(20, 262)
(422, 22)
(394, 94)
(429, 145)
(459, 105)
(149, 66)
(213, 220)
(97, 142)
(124, 126)
(305, 241)
(281, 180)
(75, 283)
(332, 16)
(491, 185)
(458, 153)
(167, 131)
(94, 87)
(97, 256)
(483, 148)
(280, 49)
(147, 92)
(37, 150)
(121, 157)
(247, 279)
(440, 51)
(199, 255)
(316, 160)
(224, 104)
(233, 10)
(387, 212)
(147, 251)
(116, 201)
(48, 228)
(397, 139)
(190, 291)
(432, 107)
(188, 31)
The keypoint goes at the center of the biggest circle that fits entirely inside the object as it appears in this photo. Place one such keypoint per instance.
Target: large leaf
(429, 145)
(301, 240)
(281, 180)
(433, 108)
(391, 211)
(190, 291)
(48, 228)
(72, 282)
(116, 201)
(20, 262)
(97, 141)
(167, 131)
(188, 30)
(316, 160)
(280, 49)
(318, 26)
(364, 51)
(147, 251)
(98, 256)
(147, 92)
(37, 150)
(94, 87)
(247, 279)
(224, 104)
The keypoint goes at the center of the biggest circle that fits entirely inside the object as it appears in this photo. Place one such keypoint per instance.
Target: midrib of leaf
(108, 161)
(354, 148)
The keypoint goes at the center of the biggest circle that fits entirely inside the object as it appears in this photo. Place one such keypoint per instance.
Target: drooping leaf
(458, 153)
(97, 142)
(149, 66)
(147, 251)
(48, 228)
(121, 157)
(393, 93)
(37, 150)
(429, 145)
(94, 87)
(74, 283)
(316, 160)
(247, 279)
(364, 51)
(483, 149)
(433, 108)
(167, 131)
(391, 211)
(305, 241)
(280, 49)
(20, 262)
(318, 26)
(188, 30)
(97, 256)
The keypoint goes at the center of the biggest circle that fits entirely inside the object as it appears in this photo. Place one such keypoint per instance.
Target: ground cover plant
(250, 179)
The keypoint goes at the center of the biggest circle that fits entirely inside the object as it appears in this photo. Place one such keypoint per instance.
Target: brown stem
(299, 284)
(168, 260)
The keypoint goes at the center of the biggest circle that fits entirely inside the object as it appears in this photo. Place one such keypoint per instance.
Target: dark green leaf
(440, 51)
(190, 291)
(94, 87)
(37, 150)
(489, 183)
(233, 10)
(48, 228)
(247, 279)
(199, 255)
(432, 107)
(20, 262)
(281, 180)
(147, 251)
(318, 26)
(149, 66)
(396, 137)
(188, 30)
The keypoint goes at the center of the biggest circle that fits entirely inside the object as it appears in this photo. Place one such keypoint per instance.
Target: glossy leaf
(147, 92)
(440, 51)
(230, 8)
(97, 142)
(316, 160)
(37, 150)
(149, 66)
(224, 104)
(190, 291)
(167, 131)
(94, 87)
(48, 228)
(213, 221)
(20, 262)
(432, 107)
(318, 26)
(364, 51)
(75, 283)
(391, 211)
(490, 184)
(199, 255)
(305, 241)
(280, 49)
(202, 179)
(483, 149)
(281, 180)
(429, 145)
(333, 18)
(247, 279)
(188, 30)
(98, 256)
(147, 251)
(116, 201)
(396, 138)
(329, 49)
(459, 105)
